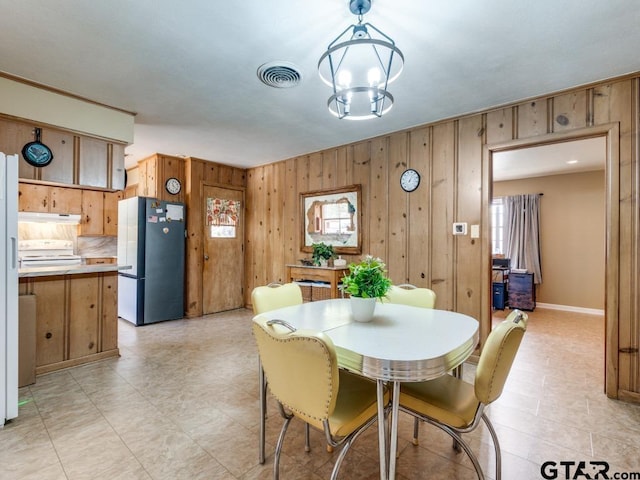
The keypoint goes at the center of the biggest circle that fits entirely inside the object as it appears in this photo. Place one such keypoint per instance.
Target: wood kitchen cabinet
(50, 317)
(83, 315)
(99, 213)
(94, 160)
(101, 163)
(92, 212)
(77, 159)
(13, 136)
(76, 318)
(109, 312)
(154, 171)
(47, 199)
(61, 143)
(100, 260)
(110, 214)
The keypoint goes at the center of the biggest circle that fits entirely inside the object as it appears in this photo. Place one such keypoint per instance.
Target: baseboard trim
(569, 308)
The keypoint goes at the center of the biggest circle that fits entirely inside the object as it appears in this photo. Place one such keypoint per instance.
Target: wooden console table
(331, 275)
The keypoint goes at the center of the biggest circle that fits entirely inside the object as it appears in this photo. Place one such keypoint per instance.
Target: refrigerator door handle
(14, 253)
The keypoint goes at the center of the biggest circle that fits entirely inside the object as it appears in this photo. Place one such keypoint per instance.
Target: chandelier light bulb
(344, 79)
(374, 77)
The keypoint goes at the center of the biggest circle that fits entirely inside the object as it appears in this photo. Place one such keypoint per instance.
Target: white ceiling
(553, 159)
(188, 69)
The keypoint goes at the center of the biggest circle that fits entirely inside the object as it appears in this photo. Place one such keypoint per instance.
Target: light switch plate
(460, 228)
(475, 231)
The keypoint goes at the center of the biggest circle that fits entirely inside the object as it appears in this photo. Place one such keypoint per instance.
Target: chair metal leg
(416, 429)
(307, 442)
(457, 439)
(496, 446)
(347, 446)
(457, 372)
(263, 412)
(382, 434)
(276, 460)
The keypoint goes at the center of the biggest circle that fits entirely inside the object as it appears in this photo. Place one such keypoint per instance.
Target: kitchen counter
(76, 313)
(70, 270)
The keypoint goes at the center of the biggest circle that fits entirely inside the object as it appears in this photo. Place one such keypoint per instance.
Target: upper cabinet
(99, 213)
(61, 145)
(153, 173)
(94, 162)
(77, 159)
(49, 199)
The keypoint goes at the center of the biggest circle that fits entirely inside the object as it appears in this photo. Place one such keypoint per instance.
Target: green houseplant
(322, 253)
(365, 282)
(367, 279)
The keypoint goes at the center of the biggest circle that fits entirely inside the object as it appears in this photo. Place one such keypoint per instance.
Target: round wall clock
(409, 180)
(173, 186)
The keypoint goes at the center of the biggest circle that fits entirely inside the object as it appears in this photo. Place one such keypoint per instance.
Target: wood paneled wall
(413, 232)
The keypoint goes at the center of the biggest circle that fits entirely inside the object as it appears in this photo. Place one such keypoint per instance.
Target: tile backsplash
(97, 246)
(105, 246)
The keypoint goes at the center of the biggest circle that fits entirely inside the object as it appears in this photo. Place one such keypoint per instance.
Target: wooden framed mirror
(332, 217)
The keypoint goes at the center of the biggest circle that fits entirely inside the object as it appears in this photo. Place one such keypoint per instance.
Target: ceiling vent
(279, 74)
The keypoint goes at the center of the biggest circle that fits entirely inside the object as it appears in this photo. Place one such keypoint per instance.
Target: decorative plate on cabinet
(37, 153)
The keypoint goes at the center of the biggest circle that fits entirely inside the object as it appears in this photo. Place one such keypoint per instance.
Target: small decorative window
(222, 217)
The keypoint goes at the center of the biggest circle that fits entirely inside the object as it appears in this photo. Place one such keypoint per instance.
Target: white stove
(47, 253)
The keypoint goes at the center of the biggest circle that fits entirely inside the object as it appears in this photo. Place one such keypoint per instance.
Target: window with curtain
(497, 226)
(522, 232)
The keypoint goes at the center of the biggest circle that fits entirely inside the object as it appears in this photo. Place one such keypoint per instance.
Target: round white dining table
(400, 344)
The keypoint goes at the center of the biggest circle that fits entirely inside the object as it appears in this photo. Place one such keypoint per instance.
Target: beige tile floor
(181, 403)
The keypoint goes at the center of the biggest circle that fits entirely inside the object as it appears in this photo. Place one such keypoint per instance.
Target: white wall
(572, 236)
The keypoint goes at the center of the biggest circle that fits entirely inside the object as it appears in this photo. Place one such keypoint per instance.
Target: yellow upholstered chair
(301, 368)
(407, 294)
(275, 295)
(456, 406)
(265, 298)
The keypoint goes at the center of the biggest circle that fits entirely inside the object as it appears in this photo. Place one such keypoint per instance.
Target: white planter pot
(362, 308)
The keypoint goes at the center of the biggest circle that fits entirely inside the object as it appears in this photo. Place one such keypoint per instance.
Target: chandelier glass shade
(359, 65)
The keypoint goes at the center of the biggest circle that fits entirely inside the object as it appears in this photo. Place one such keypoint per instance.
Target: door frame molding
(611, 133)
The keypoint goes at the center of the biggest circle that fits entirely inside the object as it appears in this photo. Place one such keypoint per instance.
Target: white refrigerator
(8, 287)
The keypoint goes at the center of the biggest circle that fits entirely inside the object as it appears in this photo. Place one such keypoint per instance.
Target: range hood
(36, 217)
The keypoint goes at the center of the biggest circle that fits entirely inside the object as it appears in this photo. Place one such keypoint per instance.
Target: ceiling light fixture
(359, 65)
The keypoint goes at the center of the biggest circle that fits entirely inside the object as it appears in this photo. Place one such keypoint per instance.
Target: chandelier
(359, 65)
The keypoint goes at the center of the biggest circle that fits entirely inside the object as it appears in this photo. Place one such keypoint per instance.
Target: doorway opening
(570, 177)
(610, 135)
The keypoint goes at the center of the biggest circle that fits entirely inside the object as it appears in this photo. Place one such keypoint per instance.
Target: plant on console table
(322, 253)
(366, 282)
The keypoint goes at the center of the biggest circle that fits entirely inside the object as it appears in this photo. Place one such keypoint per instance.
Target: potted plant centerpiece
(322, 253)
(366, 282)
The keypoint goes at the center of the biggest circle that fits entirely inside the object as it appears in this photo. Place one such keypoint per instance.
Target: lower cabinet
(76, 318)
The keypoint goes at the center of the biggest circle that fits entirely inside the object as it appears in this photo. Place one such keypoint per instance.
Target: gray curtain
(522, 232)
